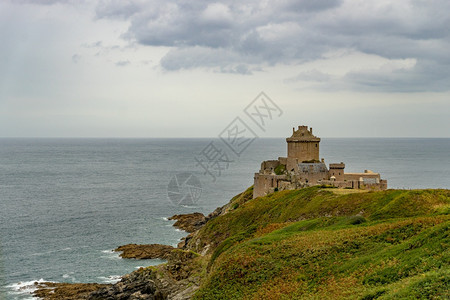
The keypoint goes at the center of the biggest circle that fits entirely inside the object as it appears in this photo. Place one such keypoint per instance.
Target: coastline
(206, 261)
(145, 279)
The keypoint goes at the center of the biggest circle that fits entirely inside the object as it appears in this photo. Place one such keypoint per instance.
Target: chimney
(293, 129)
(310, 130)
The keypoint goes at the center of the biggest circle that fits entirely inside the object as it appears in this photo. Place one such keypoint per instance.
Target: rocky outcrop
(189, 222)
(185, 240)
(217, 212)
(175, 280)
(178, 264)
(195, 241)
(144, 251)
(67, 291)
(193, 222)
(139, 284)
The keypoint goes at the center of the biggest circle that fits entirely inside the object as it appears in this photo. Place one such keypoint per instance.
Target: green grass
(280, 169)
(316, 244)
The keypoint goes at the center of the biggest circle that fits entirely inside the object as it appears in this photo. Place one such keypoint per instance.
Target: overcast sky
(136, 68)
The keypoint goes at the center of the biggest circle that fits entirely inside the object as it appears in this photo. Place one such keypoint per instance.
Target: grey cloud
(102, 49)
(42, 2)
(219, 60)
(308, 6)
(426, 76)
(222, 36)
(76, 58)
(239, 69)
(180, 25)
(122, 63)
(118, 9)
(97, 44)
(312, 76)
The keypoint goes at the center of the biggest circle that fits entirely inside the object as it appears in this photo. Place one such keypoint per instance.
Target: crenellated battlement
(303, 145)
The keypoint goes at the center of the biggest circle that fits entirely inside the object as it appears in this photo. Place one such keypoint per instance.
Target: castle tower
(303, 145)
(337, 170)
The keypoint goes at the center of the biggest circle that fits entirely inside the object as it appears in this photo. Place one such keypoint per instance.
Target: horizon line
(216, 137)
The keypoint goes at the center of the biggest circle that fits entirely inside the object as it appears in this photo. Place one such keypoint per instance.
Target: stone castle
(302, 168)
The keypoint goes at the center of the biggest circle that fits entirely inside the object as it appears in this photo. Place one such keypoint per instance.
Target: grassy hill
(320, 243)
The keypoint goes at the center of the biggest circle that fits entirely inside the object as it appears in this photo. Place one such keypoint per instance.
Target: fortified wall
(302, 168)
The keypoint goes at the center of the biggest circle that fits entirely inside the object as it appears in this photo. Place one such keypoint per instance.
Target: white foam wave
(110, 254)
(179, 230)
(165, 219)
(110, 279)
(189, 206)
(70, 276)
(24, 287)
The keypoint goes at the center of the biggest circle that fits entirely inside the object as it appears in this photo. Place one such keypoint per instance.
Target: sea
(66, 203)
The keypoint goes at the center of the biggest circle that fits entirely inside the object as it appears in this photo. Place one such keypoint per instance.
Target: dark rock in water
(144, 251)
(178, 279)
(67, 291)
(175, 280)
(139, 284)
(189, 222)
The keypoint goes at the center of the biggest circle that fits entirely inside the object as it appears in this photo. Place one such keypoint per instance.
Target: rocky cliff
(310, 243)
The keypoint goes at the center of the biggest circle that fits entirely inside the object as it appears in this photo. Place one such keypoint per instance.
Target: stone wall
(269, 166)
(303, 169)
(356, 184)
(357, 176)
(266, 183)
(337, 170)
(312, 173)
(303, 151)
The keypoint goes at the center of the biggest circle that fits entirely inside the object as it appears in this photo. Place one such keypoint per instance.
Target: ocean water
(66, 203)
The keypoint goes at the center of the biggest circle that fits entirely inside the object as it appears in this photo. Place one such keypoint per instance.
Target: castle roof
(302, 134)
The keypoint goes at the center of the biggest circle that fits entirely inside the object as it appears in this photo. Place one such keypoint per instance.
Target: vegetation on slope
(314, 243)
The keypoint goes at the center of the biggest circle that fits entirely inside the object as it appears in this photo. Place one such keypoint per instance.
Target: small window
(316, 145)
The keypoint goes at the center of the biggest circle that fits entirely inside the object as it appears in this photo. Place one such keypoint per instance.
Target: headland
(303, 231)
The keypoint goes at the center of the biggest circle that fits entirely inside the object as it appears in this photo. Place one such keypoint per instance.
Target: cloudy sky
(182, 68)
